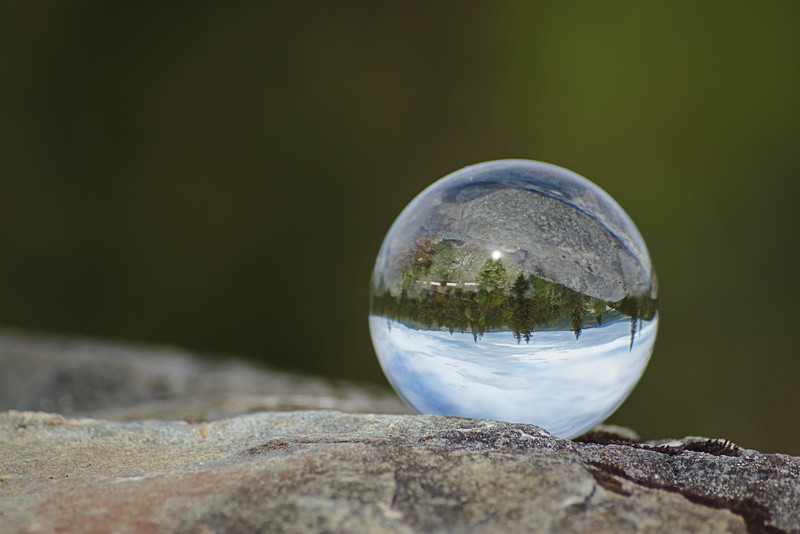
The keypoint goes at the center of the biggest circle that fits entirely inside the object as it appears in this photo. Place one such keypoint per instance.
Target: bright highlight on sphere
(517, 291)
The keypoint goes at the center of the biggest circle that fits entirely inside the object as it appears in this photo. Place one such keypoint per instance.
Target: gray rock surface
(547, 220)
(319, 471)
(312, 470)
(125, 381)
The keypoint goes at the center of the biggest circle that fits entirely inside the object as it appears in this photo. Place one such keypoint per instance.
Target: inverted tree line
(523, 307)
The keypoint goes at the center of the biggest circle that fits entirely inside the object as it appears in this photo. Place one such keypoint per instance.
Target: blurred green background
(221, 176)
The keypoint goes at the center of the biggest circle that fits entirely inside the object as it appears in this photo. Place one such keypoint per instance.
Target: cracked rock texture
(329, 471)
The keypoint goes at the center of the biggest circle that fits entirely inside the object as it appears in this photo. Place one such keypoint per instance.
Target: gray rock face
(301, 469)
(548, 236)
(545, 219)
(318, 471)
(90, 378)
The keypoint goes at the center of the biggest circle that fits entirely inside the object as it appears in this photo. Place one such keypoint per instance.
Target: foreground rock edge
(318, 470)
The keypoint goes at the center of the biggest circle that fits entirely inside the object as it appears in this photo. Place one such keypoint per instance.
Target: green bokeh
(221, 177)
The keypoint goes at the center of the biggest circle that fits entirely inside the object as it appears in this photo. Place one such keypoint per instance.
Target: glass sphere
(517, 291)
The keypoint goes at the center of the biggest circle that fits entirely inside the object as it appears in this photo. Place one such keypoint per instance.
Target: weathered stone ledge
(156, 439)
(321, 471)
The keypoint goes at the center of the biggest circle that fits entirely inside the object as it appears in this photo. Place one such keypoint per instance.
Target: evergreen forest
(496, 302)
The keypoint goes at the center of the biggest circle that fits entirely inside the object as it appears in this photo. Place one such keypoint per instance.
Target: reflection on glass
(518, 291)
(558, 382)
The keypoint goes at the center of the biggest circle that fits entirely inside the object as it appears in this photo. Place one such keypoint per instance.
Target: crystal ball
(518, 291)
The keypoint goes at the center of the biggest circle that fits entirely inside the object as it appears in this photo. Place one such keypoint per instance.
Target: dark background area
(221, 176)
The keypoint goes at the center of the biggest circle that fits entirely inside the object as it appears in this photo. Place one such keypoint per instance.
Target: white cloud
(557, 382)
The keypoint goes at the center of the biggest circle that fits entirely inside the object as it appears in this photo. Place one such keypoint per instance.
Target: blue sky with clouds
(557, 382)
